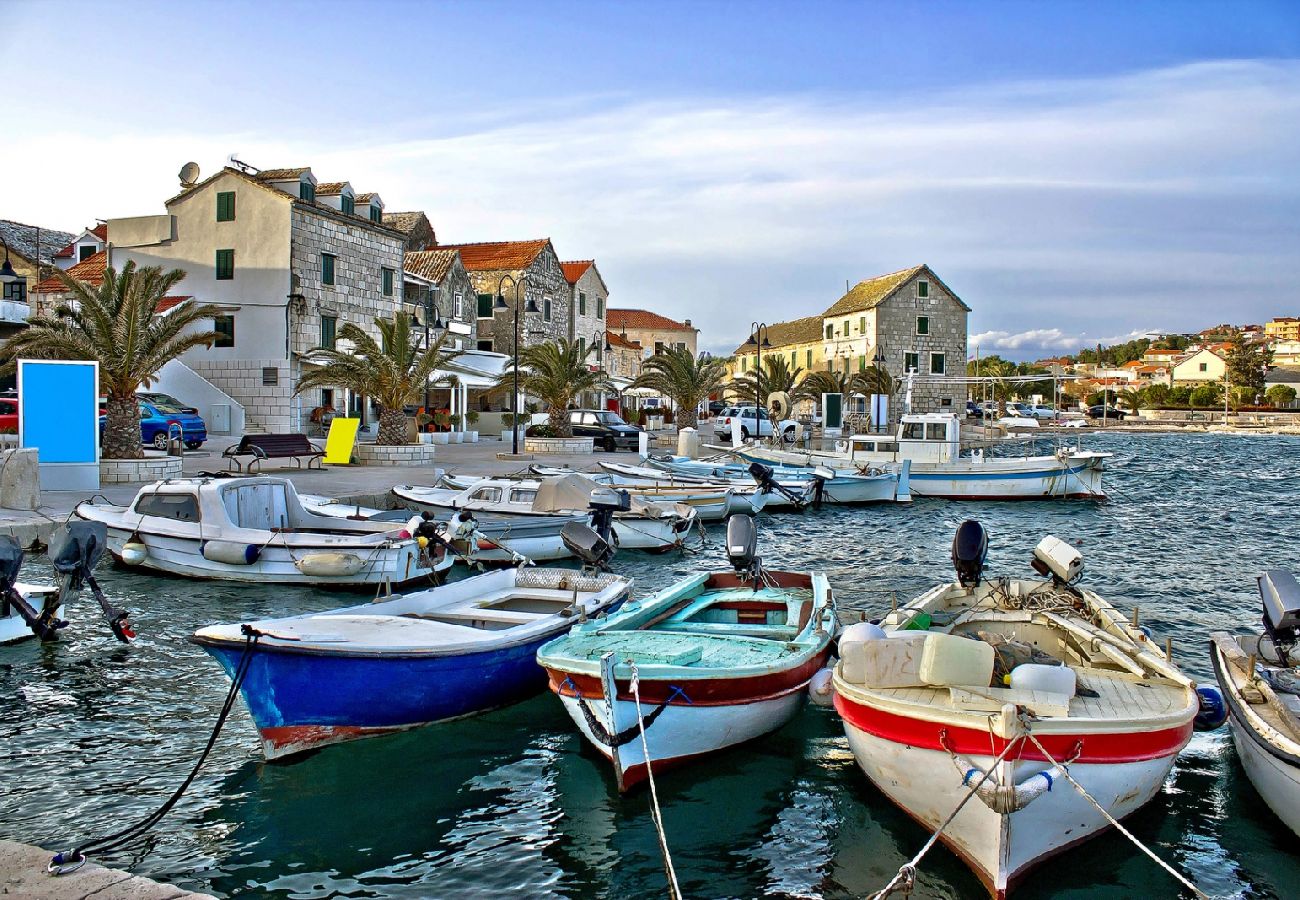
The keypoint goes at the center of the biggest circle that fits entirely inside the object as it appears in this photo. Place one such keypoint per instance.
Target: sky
(1077, 172)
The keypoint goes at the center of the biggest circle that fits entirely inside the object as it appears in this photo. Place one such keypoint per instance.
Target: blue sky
(1075, 171)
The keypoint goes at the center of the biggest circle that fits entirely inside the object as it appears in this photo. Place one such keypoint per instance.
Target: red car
(8, 415)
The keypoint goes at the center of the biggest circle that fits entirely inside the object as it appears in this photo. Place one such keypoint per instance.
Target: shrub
(540, 431)
(1279, 394)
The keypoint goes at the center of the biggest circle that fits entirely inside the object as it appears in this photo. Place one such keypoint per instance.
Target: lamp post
(531, 307)
(878, 361)
(7, 274)
(600, 352)
(758, 340)
(431, 319)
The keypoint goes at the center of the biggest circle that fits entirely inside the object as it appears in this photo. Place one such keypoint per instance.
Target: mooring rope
(674, 892)
(1113, 821)
(71, 860)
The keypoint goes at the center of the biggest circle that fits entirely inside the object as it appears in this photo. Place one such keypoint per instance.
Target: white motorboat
(254, 529)
(1260, 678)
(940, 467)
(13, 627)
(637, 524)
(712, 503)
(1000, 686)
(802, 485)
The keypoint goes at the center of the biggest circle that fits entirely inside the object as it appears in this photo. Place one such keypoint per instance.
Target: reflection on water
(93, 734)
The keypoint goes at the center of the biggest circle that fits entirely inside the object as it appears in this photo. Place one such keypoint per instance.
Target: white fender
(235, 554)
(820, 690)
(134, 553)
(329, 564)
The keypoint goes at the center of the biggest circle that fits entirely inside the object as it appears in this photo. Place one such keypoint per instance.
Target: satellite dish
(189, 174)
(778, 402)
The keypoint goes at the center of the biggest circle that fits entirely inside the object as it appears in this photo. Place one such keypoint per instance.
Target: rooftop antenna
(241, 165)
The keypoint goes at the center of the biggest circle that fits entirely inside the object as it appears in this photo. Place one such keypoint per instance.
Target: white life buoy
(820, 690)
(231, 552)
(329, 564)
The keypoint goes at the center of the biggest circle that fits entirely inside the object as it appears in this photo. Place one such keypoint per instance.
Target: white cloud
(1055, 209)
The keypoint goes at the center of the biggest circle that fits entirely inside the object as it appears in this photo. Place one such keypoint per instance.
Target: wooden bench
(274, 446)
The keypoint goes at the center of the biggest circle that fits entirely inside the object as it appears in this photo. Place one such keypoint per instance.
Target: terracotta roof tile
(498, 254)
(783, 334)
(641, 318)
(89, 270)
(281, 174)
(431, 264)
(366, 198)
(869, 294)
(573, 270)
(330, 187)
(617, 340)
(168, 302)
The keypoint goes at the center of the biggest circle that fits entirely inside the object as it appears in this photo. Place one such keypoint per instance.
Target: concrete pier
(22, 874)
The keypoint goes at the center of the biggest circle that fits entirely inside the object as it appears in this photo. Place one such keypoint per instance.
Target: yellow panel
(340, 441)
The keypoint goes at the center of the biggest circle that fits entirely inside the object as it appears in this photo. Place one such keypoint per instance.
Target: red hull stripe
(698, 692)
(1130, 746)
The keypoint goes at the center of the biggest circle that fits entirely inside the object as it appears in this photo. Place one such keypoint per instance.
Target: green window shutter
(388, 282)
(911, 362)
(922, 324)
(923, 289)
(225, 265)
(226, 206)
(582, 348)
(485, 306)
(376, 215)
(862, 364)
(546, 310)
(349, 204)
(582, 303)
(306, 191)
(224, 326)
(328, 326)
(830, 332)
(327, 268)
(938, 363)
(862, 325)
(600, 307)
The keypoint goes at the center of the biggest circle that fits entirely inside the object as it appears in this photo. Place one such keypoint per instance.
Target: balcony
(13, 312)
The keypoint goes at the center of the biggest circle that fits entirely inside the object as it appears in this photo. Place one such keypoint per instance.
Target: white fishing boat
(13, 626)
(1000, 687)
(890, 483)
(254, 529)
(941, 468)
(713, 661)
(1260, 678)
(637, 525)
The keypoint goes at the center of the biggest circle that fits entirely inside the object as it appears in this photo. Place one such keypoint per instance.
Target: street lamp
(7, 273)
(531, 307)
(878, 361)
(431, 319)
(758, 330)
(601, 350)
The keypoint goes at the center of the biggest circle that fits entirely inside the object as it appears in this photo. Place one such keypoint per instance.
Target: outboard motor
(970, 549)
(1281, 595)
(604, 503)
(586, 544)
(765, 477)
(821, 475)
(74, 551)
(43, 624)
(742, 547)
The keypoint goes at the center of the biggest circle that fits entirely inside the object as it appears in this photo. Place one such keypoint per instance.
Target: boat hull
(13, 629)
(1276, 780)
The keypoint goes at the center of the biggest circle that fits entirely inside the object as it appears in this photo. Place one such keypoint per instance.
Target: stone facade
(557, 445)
(652, 331)
(404, 456)
(132, 471)
(454, 294)
(543, 282)
(589, 299)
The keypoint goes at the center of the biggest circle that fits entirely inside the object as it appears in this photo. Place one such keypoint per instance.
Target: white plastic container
(948, 659)
(1038, 677)
(881, 661)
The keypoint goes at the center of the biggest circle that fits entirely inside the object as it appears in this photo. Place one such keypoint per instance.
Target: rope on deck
(674, 892)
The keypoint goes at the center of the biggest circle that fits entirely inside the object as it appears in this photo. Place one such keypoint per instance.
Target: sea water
(94, 734)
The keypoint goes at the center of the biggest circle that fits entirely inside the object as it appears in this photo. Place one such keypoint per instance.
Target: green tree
(777, 375)
(1206, 396)
(685, 379)
(556, 373)
(1246, 364)
(1279, 394)
(118, 325)
(392, 371)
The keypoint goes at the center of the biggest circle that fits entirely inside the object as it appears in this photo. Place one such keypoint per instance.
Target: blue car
(156, 420)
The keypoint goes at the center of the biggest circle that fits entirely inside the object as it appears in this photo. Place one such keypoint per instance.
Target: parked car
(156, 422)
(1040, 412)
(608, 430)
(8, 415)
(716, 407)
(1107, 412)
(973, 410)
(752, 422)
(161, 400)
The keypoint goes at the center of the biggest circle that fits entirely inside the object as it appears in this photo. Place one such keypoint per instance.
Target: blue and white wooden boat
(889, 483)
(430, 656)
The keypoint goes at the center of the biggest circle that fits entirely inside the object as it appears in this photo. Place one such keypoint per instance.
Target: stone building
(436, 281)
(31, 252)
(287, 266)
(539, 276)
(655, 333)
(588, 299)
(918, 324)
(623, 361)
(417, 228)
(798, 342)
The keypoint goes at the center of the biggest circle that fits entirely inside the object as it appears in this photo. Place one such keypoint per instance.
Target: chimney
(688, 323)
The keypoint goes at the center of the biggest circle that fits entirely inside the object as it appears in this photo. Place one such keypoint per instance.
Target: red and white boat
(999, 674)
(719, 659)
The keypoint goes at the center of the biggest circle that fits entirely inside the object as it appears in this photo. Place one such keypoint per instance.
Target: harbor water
(94, 734)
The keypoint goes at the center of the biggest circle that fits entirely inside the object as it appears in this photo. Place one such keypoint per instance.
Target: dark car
(1109, 412)
(715, 407)
(973, 410)
(608, 429)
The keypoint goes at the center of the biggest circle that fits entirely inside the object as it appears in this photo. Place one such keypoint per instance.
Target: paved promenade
(22, 874)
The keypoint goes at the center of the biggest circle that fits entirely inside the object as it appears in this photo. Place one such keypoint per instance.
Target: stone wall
(542, 279)
(456, 283)
(131, 471)
(557, 445)
(268, 407)
(587, 325)
(896, 327)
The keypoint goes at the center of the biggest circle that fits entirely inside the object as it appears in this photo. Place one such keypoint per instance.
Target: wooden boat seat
(768, 632)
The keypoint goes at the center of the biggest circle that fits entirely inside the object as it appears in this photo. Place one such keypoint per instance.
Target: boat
(712, 503)
(719, 659)
(801, 485)
(1260, 678)
(637, 524)
(1000, 687)
(254, 529)
(941, 468)
(417, 659)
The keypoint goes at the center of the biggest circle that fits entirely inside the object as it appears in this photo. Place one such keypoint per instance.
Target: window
(660, 347)
(225, 265)
(846, 328)
(327, 268)
(830, 332)
(224, 326)
(306, 191)
(946, 402)
(490, 494)
(328, 326)
(485, 345)
(546, 309)
(327, 398)
(913, 431)
(386, 276)
(226, 206)
(376, 214)
(923, 289)
(85, 252)
(794, 355)
(270, 376)
(744, 363)
(181, 507)
(809, 365)
(16, 291)
(922, 324)
(911, 362)
(458, 306)
(349, 204)
(862, 364)
(862, 325)
(934, 431)
(582, 349)
(938, 363)
(485, 306)
(582, 303)
(1204, 367)
(600, 307)
(523, 496)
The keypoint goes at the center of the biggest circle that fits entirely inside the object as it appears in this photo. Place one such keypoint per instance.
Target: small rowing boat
(715, 660)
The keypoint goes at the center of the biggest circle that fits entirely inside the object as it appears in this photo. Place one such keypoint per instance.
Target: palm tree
(392, 372)
(873, 380)
(678, 375)
(117, 324)
(556, 373)
(776, 375)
